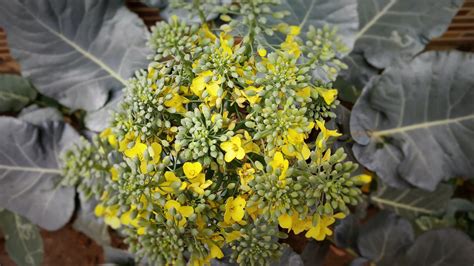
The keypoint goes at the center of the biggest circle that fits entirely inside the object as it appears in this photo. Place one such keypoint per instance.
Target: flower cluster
(215, 146)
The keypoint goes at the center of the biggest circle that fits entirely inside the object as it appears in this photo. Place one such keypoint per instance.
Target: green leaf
(37, 116)
(30, 174)
(315, 252)
(75, 51)
(23, 240)
(440, 247)
(411, 203)
(392, 31)
(413, 125)
(384, 237)
(15, 93)
(100, 119)
(352, 80)
(346, 232)
(319, 13)
(289, 258)
(184, 11)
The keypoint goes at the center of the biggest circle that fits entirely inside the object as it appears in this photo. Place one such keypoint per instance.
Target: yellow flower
(364, 179)
(328, 95)
(192, 170)
(123, 144)
(249, 145)
(224, 40)
(262, 52)
(207, 33)
(203, 82)
(107, 134)
(246, 174)
(171, 182)
(290, 45)
(177, 102)
(294, 137)
(197, 179)
(214, 250)
(155, 152)
(280, 163)
(232, 236)
(320, 158)
(199, 83)
(185, 211)
(326, 133)
(295, 30)
(113, 173)
(110, 214)
(294, 223)
(233, 149)
(304, 93)
(234, 209)
(251, 90)
(126, 219)
(321, 230)
(138, 150)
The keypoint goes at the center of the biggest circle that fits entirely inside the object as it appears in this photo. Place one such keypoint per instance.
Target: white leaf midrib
(401, 205)
(374, 20)
(76, 47)
(423, 125)
(30, 169)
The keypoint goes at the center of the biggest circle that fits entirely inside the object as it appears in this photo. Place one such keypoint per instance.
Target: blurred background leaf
(30, 174)
(15, 93)
(318, 13)
(413, 125)
(411, 203)
(75, 51)
(22, 239)
(390, 32)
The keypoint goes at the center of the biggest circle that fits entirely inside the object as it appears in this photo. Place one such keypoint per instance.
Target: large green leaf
(100, 119)
(75, 51)
(440, 247)
(414, 123)
(384, 237)
(387, 239)
(36, 115)
(411, 203)
(30, 174)
(319, 13)
(23, 241)
(15, 92)
(392, 31)
(352, 80)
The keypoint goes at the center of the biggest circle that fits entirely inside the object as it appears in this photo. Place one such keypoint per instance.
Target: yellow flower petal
(191, 170)
(363, 178)
(216, 252)
(186, 211)
(285, 221)
(328, 95)
(99, 210)
(230, 155)
(113, 173)
(113, 222)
